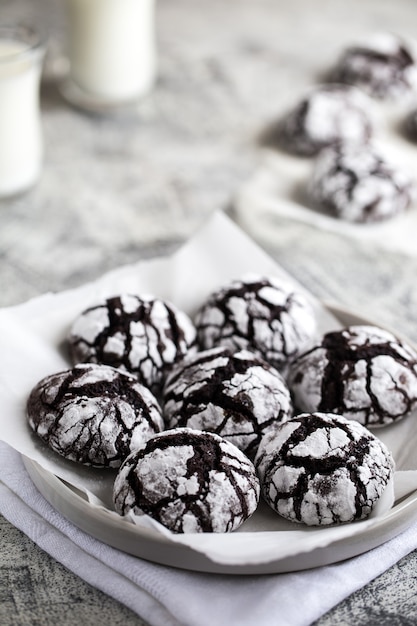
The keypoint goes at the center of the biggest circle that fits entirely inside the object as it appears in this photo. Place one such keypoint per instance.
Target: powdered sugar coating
(93, 414)
(384, 66)
(362, 372)
(189, 481)
(326, 115)
(142, 335)
(238, 396)
(321, 469)
(357, 184)
(261, 314)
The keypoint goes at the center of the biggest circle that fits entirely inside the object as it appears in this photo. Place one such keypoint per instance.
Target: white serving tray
(32, 337)
(149, 544)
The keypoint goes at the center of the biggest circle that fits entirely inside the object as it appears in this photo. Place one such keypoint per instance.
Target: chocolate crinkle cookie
(362, 372)
(143, 335)
(410, 125)
(328, 114)
(384, 66)
(264, 315)
(320, 469)
(238, 396)
(190, 481)
(357, 184)
(93, 414)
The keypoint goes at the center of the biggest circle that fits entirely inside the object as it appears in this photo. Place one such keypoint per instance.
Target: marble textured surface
(137, 183)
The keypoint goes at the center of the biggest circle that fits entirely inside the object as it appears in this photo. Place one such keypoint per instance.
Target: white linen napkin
(166, 596)
(277, 189)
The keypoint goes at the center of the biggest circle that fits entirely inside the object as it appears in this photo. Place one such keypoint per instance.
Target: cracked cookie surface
(142, 335)
(357, 184)
(238, 396)
(93, 414)
(384, 66)
(189, 481)
(327, 115)
(320, 469)
(261, 314)
(362, 372)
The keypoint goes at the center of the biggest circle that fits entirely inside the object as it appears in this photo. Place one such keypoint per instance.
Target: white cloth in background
(166, 596)
(273, 192)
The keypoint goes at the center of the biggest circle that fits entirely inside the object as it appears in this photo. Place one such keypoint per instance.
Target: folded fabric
(277, 189)
(166, 596)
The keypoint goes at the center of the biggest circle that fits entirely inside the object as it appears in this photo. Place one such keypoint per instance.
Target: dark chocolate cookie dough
(143, 335)
(93, 414)
(321, 469)
(264, 315)
(189, 481)
(328, 114)
(384, 66)
(238, 396)
(410, 125)
(358, 184)
(362, 372)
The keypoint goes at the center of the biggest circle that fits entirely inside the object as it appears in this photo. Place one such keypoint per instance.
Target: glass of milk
(111, 51)
(21, 142)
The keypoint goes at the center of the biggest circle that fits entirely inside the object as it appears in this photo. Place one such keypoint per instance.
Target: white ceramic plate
(147, 543)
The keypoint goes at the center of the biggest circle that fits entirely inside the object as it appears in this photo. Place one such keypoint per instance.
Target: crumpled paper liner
(32, 340)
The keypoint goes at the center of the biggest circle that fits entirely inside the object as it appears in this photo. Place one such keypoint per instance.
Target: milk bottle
(21, 142)
(111, 49)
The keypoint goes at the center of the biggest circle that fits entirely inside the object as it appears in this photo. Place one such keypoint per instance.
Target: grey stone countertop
(122, 187)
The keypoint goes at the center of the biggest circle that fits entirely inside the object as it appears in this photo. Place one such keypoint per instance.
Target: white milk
(111, 47)
(21, 144)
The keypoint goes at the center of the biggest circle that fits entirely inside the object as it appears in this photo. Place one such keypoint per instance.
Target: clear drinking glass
(111, 51)
(22, 51)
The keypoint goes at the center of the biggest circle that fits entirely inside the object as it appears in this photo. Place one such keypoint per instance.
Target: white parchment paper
(32, 345)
